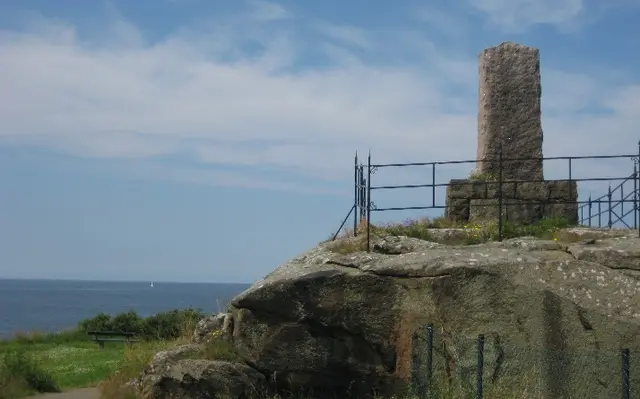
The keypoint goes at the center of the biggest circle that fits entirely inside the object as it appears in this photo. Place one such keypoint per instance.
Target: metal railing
(613, 201)
(358, 209)
(611, 205)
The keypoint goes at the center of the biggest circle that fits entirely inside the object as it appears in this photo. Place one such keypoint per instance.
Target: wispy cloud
(348, 35)
(268, 11)
(516, 15)
(444, 23)
(247, 95)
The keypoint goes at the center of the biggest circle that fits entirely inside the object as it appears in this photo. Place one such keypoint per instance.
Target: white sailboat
(152, 284)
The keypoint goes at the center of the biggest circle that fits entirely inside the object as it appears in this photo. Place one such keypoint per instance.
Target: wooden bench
(112, 336)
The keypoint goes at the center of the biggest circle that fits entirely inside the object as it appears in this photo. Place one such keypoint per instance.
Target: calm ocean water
(54, 305)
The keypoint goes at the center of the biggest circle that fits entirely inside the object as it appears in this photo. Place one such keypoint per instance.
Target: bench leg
(101, 343)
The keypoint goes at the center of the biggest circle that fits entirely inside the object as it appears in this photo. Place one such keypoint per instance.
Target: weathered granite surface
(555, 315)
(509, 111)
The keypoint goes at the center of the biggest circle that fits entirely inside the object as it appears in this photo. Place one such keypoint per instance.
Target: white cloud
(515, 15)
(567, 16)
(445, 23)
(241, 94)
(268, 11)
(348, 35)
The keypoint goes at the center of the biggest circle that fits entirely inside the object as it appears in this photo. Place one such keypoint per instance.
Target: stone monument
(509, 116)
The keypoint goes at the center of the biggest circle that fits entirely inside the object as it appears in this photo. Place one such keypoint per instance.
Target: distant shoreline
(61, 280)
(57, 305)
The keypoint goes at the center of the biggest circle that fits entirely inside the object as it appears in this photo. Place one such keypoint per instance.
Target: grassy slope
(51, 362)
(77, 364)
(69, 359)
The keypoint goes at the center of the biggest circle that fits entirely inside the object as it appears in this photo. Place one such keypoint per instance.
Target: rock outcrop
(184, 372)
(222, 322)
(554, 315)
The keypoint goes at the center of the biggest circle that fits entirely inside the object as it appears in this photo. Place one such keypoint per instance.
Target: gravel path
(84, 393)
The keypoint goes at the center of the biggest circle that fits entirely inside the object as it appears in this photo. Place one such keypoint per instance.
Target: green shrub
(18, 366)
(171, 324)
(164, 325)
(544, 228)
(127, 321)
(101, 322)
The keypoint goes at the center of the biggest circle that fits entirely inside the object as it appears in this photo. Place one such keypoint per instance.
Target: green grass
(80, 364)
(482, 176)
(49, 362)
(68, 364)
(64, 360)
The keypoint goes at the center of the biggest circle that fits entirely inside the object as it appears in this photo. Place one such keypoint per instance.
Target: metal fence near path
(446, 368)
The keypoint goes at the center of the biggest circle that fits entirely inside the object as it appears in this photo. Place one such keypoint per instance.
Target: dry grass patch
(138, 356)
(423, 229)
(219, 348)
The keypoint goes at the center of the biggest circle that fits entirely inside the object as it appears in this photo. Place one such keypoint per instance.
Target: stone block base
(522, 202)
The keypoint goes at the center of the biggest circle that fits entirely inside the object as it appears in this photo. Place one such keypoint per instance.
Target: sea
(57, 305)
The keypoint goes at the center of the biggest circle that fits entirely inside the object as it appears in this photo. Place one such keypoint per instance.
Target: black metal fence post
(429, 359)
(622, 200)
(600, 213)
(570, 185)
(369, 202)
(635, 194)
(500, 194)
(433, 187)
(363, 194)
(625, 374)
(479, 366)
(590, 214)
(356, 189)
(637, 185)
(610, 223)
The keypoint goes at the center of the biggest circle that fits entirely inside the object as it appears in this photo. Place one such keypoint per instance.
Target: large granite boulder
(200, 378)
(554, 317)
(328, 324)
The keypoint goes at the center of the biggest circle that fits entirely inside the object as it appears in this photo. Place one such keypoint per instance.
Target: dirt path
(84, 393)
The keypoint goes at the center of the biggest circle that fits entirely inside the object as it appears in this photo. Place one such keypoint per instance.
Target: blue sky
(211, 140)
